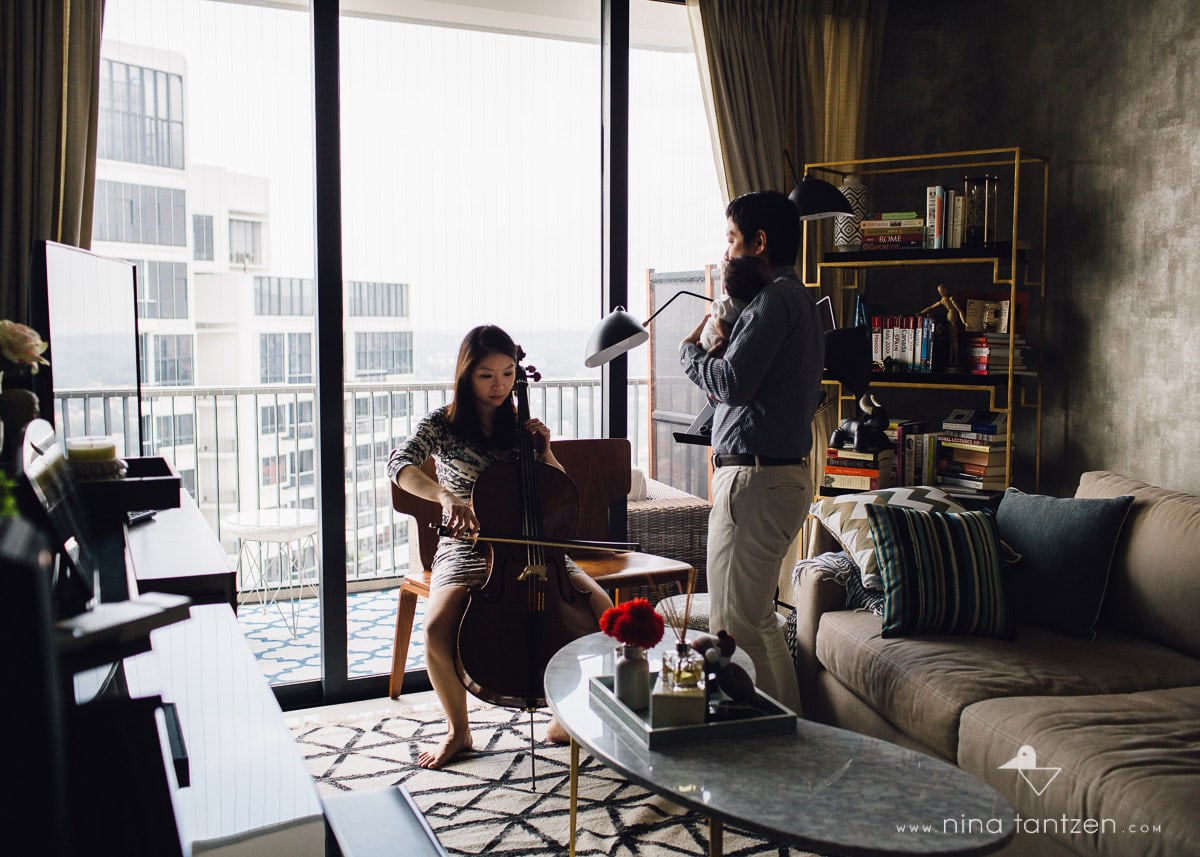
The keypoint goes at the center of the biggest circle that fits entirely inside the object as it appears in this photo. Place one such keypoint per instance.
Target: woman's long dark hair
(463, 414)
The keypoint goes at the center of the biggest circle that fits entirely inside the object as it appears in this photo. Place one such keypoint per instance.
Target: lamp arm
(670, 300)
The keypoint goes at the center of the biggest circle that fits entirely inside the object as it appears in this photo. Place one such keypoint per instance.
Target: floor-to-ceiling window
(205, 178)
(471, 192)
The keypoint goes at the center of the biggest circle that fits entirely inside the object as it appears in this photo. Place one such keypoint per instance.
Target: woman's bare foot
(447, 750)
(555, 734)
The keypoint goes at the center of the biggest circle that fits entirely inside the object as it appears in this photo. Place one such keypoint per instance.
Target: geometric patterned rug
(493, 801)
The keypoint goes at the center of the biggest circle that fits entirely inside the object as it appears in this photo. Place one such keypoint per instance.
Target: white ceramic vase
(631, 677)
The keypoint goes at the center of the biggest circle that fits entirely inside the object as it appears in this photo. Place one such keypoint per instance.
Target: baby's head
(744, 276)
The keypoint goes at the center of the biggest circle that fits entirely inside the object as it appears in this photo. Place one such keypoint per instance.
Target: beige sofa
(1119, 715)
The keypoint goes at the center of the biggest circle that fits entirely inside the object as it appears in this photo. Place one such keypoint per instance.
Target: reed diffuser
(683, 669)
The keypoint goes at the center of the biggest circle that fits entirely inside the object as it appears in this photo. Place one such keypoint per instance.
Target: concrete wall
(1110, 92)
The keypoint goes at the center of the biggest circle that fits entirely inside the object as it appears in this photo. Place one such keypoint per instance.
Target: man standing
(766, 384)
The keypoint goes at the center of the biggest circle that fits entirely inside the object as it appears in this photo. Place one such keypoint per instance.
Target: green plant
(8, 496)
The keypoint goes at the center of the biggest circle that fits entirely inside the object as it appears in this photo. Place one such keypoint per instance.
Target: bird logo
(1025, 763)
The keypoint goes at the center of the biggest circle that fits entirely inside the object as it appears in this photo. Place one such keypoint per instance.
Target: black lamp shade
(816, 199)
(617, 332)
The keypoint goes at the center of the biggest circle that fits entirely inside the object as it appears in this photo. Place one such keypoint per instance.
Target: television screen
(85, 306)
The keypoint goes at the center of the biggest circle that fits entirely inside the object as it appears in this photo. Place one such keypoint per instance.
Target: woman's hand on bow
(458, 517)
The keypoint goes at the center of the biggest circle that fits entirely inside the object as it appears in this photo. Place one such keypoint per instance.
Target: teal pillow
(1066, 546)
(941, 572)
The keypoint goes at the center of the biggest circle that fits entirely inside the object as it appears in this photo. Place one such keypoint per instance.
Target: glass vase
(631, 677)
(683, 669)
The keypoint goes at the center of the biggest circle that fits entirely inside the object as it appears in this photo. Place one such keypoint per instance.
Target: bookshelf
(901, 282)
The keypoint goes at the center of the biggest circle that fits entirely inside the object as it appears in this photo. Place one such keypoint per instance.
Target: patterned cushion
(845, 516)
(941, 572)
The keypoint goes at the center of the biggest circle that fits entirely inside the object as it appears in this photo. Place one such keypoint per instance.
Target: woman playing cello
(478, 428)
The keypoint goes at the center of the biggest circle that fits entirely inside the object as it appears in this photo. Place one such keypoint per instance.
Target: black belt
(720, 460)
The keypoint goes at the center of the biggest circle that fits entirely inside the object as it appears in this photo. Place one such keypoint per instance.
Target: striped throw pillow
(941, 572)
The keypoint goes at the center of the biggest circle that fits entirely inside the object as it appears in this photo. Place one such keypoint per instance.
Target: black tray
(149, 483)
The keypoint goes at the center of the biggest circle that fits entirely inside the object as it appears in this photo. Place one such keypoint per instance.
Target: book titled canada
(979, 422)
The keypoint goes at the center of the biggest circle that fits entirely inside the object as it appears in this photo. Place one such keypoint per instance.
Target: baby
(741, 280)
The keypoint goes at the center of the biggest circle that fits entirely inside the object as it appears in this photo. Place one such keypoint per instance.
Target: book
(975, 437)
(969, 494)
(951, 442)
(876, 246)
(891, 215)
(927, 470)
(892, 240)
(1009, 314)
(950, 467)
(855, 465)
(890, 232)
(987, 483)
(935, 196)
(872, 472)
(903, 224)
(964, 455)
(987, 351)
(859, 483)
(849, 452)
(948, 239)
(976, 421)
(957, 220)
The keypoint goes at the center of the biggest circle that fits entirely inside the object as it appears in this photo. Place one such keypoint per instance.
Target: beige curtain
(49, 101)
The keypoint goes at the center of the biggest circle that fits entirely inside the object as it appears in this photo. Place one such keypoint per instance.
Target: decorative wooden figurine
(954, 319)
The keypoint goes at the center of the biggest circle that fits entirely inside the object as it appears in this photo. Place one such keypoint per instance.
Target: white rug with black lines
(493, 801)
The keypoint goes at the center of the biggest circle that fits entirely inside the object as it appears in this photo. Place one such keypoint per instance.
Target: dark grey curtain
(49, 101)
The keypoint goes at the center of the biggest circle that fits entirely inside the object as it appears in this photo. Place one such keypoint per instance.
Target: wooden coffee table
(822, 788)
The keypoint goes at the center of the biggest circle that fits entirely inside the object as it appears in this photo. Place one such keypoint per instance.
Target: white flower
(22, 346)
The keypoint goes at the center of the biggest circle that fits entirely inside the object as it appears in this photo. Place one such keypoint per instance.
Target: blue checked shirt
(767, 384)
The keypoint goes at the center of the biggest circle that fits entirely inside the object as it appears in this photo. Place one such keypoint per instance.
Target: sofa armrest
(818, 592)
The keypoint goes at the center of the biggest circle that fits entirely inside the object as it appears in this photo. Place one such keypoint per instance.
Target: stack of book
(847, 468)
(892, 230)
(916, 448)
(972, 451)
(988, 354)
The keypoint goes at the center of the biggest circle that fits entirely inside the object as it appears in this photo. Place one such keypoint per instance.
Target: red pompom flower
(634, 623)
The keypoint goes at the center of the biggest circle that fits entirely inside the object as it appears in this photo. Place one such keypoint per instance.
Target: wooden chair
(600, 468)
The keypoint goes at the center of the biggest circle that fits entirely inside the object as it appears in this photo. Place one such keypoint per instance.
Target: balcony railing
(245, 448)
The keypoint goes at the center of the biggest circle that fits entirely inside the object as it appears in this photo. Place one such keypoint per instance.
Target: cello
(527, 608)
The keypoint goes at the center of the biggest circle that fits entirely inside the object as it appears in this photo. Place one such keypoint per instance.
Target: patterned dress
(458, 462)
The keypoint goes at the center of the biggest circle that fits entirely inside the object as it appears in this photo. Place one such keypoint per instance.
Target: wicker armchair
(671, 523)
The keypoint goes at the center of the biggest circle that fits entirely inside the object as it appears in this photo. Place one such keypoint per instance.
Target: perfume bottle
(683, 669)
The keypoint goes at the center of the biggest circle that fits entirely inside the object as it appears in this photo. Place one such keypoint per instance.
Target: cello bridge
(533, 570)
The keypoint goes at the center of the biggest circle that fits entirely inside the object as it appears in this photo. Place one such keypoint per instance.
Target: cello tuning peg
(533, 373)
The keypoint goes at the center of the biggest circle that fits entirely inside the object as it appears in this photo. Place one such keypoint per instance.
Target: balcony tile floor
(371, 620)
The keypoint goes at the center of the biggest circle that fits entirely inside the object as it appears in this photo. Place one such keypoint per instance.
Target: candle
(91, 448)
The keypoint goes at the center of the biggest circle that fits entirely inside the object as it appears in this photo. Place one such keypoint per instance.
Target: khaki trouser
(756, 514)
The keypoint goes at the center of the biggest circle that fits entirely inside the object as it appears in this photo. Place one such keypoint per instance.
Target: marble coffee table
(822, 788)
